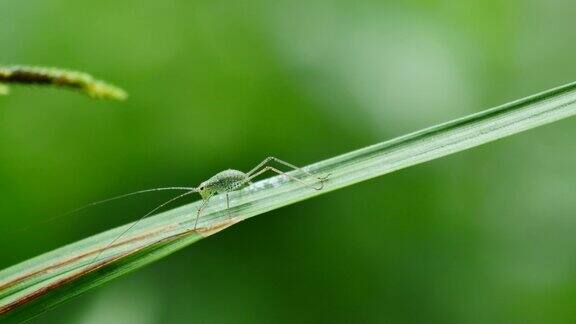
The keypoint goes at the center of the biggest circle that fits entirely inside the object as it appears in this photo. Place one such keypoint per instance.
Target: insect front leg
(204, 204)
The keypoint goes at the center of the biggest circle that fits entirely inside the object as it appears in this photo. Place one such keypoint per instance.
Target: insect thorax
(227, 180)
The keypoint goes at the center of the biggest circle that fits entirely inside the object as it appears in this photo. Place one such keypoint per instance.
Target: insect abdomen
(229, 180)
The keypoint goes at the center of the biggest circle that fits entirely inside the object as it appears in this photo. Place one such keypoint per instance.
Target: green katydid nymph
(223, 182)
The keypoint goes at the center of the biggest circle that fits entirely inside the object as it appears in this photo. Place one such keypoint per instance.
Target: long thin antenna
(98, 203)
(126, 195)
(192, 190)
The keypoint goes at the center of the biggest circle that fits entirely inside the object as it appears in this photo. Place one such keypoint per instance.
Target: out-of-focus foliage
(483, 236)
(80, 81)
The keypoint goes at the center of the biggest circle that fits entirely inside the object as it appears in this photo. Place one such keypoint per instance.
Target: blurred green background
(485, 236)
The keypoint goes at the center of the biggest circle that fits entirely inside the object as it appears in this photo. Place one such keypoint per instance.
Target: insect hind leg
(262, 166)
(269, 168)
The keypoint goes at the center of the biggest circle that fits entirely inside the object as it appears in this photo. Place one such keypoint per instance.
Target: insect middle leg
(228, 205)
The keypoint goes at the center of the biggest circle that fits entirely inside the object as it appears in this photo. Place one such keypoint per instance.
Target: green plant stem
(43, 76)
(32, 287)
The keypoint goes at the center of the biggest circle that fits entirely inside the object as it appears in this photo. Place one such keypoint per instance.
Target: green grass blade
(41, 283)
